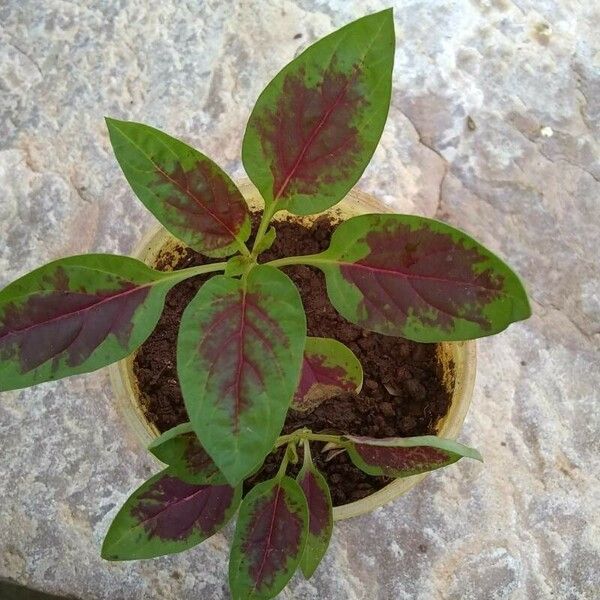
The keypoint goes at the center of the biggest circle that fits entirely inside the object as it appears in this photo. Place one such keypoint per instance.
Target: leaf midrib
(322, 121)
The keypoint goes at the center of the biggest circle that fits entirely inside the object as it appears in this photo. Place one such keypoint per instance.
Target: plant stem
(243, 249)
(267, 215)
(307, 462)
(284, 464)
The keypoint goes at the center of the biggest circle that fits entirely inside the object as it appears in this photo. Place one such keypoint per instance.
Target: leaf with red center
(76, 315)
(403, 457)
(188, 460)
(239, 355)
(328, 368)
(418, 278)
(186, 191)
(320, 517)
(269, 539)
(167, 515)
(317, 123)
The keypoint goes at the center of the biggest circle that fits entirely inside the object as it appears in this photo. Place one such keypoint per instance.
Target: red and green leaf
(320, 517)
(418, 278)
(239, 355)
(167, 515)
(181, 450)
(317, 123)
(269, 539)
(328, 368)
(76, 315)
(403, 457)
(186, 191)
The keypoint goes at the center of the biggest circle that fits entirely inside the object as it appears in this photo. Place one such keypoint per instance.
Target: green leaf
(328, 368)
(317, 123)
(167, 515)
(269, 539)
(320, 517)
(186, 191)
(181, 450)
(239, 356)
(403, 457)
(267, 241)
(76, 315)
(418, 278)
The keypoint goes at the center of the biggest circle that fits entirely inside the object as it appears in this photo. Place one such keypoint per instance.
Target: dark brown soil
(402, 393)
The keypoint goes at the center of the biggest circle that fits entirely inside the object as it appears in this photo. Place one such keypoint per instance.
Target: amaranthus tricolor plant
(243, 356)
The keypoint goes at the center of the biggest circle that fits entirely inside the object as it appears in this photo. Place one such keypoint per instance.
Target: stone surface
(495, 127)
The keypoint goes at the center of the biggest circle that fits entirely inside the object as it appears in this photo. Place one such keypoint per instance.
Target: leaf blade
(166, 515)
(328, 368)
(76, 315)
(419, 278)
(320, 517)
(237, 399)
(269, 539)
(180, 448)
(316, 125)
(185, 190)
(404, 457)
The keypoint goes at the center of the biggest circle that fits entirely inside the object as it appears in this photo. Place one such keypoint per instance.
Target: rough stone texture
(495, 127)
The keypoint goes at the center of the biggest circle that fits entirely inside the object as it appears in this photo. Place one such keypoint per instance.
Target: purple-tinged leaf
(239, 355)
(269, 539)
(186, 191)
(167, 515)
(418, 278)
(328, 368)
(403, 457)
(181, 450)
(317, 123)
(320, 517)
(76, 315)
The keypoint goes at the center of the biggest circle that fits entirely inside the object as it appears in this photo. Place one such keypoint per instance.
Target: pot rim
(458, 358)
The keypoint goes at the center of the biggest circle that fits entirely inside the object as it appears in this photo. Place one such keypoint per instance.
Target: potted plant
(243, 354)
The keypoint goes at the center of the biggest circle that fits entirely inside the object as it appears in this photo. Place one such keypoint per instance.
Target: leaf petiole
(265, 220)
(193, 271)
(309, 259)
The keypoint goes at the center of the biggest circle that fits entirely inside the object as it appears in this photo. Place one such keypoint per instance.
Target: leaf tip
(474, 454)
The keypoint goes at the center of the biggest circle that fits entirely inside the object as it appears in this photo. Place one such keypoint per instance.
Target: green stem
(267, 215)
(309, 259)
(307, 462)
(244, 249)
(284, 464)
(182, 274)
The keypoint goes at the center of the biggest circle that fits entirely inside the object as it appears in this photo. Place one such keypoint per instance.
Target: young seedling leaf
(328, 368)
(320, 517)
(181, 450)
(267, 240)
(403, 457)
(269, 539)
(76, 315)
(418, 278)
(167, 515)
(239, 356)
(317, 123)
(186, 191)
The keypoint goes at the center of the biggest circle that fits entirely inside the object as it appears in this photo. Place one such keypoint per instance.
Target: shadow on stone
(13, 591)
